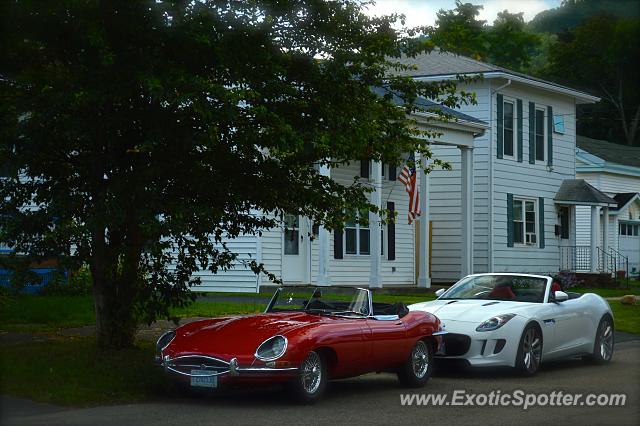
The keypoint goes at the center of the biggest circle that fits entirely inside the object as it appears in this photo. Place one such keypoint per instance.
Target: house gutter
(491, 189)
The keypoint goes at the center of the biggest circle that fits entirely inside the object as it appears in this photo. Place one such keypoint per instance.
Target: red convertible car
(305, 337)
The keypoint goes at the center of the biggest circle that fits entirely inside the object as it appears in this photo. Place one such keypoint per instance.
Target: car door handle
(399, 323)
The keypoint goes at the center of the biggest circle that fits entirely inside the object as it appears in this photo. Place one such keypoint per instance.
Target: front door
(629, 244)
(295, 259)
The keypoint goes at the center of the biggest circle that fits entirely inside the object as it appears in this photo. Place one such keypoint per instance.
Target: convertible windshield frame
(313, 291)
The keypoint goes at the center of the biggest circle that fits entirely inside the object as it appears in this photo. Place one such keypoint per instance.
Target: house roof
(624, 198)
(444, 64)
(428, 106)
(611, 152)
(580, 192)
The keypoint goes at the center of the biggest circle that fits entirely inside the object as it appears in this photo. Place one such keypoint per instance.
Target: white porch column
(595, 232)
(424, 279)
(467, 210)
(375, 279)
(605, 229)
(323, 243)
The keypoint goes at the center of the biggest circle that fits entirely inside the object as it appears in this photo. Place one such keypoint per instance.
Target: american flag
(408, 178)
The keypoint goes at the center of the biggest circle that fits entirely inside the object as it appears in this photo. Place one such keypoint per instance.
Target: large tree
(508, 42)
(143, 133)
(601, 56)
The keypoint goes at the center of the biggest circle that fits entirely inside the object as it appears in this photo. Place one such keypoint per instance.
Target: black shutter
(520, 129)
(532, 133)
(392, 172)
(500, 102)
(337, 245)
(550, 136)
(364, 169)
(541, 213)
(391, 232)
(509, 220)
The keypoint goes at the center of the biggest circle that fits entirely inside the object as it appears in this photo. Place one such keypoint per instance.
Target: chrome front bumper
(183, 365)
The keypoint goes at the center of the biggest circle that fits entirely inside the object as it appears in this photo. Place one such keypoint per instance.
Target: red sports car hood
(227, 338)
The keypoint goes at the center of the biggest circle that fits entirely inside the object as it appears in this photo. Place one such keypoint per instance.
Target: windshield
(516, 288)
(317, 300)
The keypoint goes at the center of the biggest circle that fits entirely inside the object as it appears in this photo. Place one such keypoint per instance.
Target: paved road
(375, 399)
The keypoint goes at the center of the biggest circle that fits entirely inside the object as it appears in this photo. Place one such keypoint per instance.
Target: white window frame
(514, 130)
(522, 223)
(358, 227)
(544, 134)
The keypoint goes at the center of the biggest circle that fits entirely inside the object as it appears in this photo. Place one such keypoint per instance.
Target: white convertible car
(516, 320)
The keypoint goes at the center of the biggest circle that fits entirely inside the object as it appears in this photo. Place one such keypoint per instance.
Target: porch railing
(578, 259)
(575, 258)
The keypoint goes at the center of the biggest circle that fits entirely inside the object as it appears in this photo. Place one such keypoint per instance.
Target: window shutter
(338, 252)
(520, 129)
(550, 136)
(364, 169)
(541, 214)
(500, 101)
(391, 232)
(509, 220)
(532, 133)
(392, 172)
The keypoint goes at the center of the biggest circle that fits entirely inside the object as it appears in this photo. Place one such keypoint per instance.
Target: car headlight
(164, 341)
(495, 323)
(272, 348)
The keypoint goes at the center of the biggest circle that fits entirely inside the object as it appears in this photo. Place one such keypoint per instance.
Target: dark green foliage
(601, 56)
(507, 43)
(573, 13)
(146, 132)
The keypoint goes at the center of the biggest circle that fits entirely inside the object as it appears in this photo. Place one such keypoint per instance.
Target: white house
(522, 219)
(615, 170)
(300, 252)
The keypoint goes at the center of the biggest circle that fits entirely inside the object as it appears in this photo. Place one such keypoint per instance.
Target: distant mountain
(572, 12)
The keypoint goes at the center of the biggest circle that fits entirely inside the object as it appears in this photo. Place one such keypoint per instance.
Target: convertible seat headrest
(401, 309)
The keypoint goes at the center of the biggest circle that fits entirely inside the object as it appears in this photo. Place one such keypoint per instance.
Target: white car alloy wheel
(530, 350)
(603, 346)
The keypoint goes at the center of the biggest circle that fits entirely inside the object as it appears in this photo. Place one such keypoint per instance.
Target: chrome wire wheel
(531, 349)
(311, 374)
(420, 359)
(606, 340)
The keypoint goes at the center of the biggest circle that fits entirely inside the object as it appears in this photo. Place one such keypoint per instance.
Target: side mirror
(560, 296)
(440, 292)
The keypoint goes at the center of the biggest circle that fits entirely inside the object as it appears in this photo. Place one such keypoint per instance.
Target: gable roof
(623, 199)
(438, 64)
(610, 152)
(580, 192)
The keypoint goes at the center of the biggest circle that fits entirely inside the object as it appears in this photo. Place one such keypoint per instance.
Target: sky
(423, 12)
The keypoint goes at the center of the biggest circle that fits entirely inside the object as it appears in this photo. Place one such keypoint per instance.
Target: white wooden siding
(531, 180)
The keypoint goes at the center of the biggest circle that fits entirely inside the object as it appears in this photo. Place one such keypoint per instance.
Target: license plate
(200, 379)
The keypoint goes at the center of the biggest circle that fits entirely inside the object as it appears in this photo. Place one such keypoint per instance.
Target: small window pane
(291, 239)
(364, 241)
(350, 237)
(508, 142)
(518, 235)
(351, 222)
(517, 211)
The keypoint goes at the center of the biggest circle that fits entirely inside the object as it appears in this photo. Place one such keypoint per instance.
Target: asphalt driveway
(375, 399)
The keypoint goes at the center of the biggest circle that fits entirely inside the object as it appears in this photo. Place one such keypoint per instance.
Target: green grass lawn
(76, 372)
(608, 292)
(626, 317)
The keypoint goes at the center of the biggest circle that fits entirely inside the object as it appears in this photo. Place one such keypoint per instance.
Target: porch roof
(623, 199)
(579, 192)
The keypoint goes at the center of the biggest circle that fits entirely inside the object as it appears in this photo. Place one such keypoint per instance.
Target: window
(356, 234)
(629, 229)
(525, 222)
(564, 223)
(291, 234)
(508, 120)
(539, 134)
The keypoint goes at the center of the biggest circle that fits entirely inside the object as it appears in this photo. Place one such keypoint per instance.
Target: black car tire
(529, 354)
(416, 370)
(311, 381)
(604, 342)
